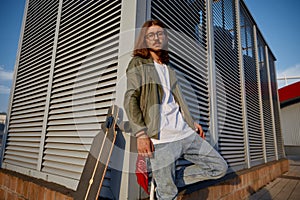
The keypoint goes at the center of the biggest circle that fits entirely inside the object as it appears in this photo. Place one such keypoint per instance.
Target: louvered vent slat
(84, 83)
(188, 50)
(268, 127)
(186, 21)
(28, 106)
(252, 91)
(275, 108)
(229, 105)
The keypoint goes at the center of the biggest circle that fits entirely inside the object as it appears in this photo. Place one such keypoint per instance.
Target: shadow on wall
(104, 162)
(226, 187)
(261, 194)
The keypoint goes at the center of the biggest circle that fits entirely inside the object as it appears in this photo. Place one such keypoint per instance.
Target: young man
(160, 119)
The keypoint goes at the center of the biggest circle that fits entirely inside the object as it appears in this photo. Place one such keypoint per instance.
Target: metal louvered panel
(275, 109)
(228, 84)
(28, 106)
(267, 116)
(186, 21)
(84, 84)
(252, 93)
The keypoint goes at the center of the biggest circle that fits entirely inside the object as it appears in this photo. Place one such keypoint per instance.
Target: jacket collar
(153, 73)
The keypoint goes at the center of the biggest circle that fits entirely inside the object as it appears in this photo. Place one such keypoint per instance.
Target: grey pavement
(285, 187)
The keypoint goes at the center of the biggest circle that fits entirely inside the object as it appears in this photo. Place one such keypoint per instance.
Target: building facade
(289, 97)
(71, 68)
(2, 127)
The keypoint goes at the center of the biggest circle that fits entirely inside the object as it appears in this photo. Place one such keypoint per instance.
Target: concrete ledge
(239, 185)
(16, 186)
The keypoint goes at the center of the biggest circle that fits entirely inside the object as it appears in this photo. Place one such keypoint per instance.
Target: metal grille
(84, 83)
(186, 21)
(29, 98)
(276, 112)
(228, 87)
(269, 137)
(85, 76)
(252, 93)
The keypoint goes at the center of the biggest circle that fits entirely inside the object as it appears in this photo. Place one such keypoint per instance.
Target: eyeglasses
(151, 36)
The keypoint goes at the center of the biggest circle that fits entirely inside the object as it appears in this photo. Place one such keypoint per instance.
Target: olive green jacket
(144, 95)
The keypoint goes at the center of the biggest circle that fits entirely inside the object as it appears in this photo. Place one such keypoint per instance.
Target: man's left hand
(198, 129)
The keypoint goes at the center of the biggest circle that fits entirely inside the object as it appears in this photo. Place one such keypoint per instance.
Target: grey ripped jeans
(208, 164)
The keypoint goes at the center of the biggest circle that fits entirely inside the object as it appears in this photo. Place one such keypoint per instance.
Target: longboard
(93, 174)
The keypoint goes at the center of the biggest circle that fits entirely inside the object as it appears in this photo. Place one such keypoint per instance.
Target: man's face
(156, 38)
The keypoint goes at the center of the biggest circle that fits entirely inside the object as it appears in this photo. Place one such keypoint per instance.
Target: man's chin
(156, 49)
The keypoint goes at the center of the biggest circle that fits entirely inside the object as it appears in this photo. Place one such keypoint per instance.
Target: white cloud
(4, 89)
(5, 75)
(293, 71)
(290, 71)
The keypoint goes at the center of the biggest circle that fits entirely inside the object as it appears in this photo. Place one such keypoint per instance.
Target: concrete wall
(290, 123)
(290, 120)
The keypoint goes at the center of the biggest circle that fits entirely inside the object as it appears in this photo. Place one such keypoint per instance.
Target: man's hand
(145, 146)
(198, 129)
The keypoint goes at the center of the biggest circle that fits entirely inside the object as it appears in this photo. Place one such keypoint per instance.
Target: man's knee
(222, 169)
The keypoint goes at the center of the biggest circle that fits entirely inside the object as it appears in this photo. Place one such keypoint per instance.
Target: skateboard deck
(98, 159)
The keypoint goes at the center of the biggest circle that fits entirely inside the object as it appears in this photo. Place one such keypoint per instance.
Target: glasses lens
(160, 34)
(151, 36)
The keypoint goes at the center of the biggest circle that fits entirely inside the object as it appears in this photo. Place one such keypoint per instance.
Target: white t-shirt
(172, 125)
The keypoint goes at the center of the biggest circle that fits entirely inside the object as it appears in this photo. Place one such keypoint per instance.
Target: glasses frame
(151, 36)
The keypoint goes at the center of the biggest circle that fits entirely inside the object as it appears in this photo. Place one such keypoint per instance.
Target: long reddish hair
(141, 49)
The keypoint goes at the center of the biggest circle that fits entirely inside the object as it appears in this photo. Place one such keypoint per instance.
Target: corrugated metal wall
(290, 124)
(188, 50)
(276, 108)
(185, 19)
(267, 118)
(83, 85)
(31, 84)
(67, 75)
(54, 136)
(251, 73)
(229, 100)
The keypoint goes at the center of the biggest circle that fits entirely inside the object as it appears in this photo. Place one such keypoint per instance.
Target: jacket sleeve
(132, 98)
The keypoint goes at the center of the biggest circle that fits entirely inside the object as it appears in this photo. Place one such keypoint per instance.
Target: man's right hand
(145, 146)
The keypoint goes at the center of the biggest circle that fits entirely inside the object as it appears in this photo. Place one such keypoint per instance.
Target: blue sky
(11, 14)
(277, 20)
